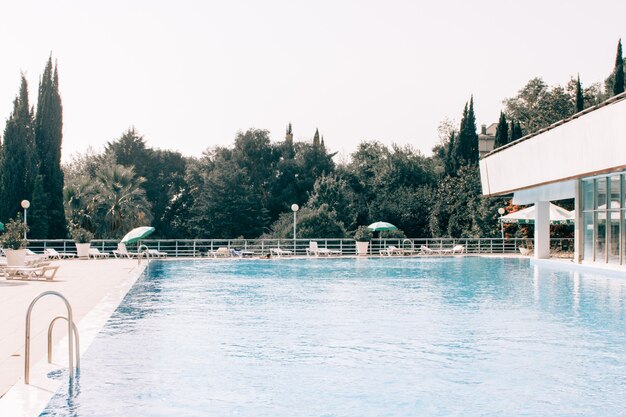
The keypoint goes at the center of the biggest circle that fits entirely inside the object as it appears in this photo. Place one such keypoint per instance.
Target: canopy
(1, 226)
(137, 234)
(380, 226)
(558, 215)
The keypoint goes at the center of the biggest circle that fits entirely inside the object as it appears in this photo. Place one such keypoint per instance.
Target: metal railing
(263, 247)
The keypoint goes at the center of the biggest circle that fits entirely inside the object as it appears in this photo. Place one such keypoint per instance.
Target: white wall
(593, 143)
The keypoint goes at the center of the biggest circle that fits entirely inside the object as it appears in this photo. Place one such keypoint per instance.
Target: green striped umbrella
(137, 234)
(380, 226)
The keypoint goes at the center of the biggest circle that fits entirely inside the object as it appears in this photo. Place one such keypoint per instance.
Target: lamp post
(294, 208)
(25, 205)
(501, 211)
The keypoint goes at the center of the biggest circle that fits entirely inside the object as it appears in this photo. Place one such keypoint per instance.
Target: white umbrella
(558, 215)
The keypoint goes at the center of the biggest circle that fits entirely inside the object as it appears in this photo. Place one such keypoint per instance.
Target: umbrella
(1, 226)
(558, 215)
(380, 226)
(137, 234)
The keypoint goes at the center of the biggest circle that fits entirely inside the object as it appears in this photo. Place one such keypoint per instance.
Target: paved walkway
(85, 283)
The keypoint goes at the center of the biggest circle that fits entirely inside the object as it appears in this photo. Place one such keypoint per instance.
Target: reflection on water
(399, 337)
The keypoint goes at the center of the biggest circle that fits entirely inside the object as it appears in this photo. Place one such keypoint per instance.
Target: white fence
(261, 247)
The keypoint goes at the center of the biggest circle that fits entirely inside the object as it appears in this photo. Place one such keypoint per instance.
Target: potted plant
(13, 242)
(82, 239)
(362, 235)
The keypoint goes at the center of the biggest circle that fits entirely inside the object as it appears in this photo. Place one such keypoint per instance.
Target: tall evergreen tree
(316, 137)
(516, 130)
(38, 222)
(580, 102)
(618, 87)
(467, 142)
(48, 138)
(502, 132)
(19, 161)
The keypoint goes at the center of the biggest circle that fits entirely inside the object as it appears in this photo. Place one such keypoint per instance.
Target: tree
(226, 204)
(38, 218)
(618, 86)
(580, 102)
(467, 141)
(311, 223)
(120, 202)
(516, 130)
(48, 138)
(164, 173)
(19, 159)
(502, 132)
(334, 192)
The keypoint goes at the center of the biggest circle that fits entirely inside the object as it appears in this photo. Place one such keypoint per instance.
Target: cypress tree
(316, 138)
(579, 96)
(516, 130)
(48, 139)
(467, 145)
(19, 162)
(38, 219)
(450, 162)
(618, 87)
(502, 132)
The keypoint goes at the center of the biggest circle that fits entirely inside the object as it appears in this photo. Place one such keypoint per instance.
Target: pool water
(458, 336)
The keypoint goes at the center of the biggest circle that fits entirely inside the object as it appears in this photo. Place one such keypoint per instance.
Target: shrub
(81, 235)
(363, 234)
(13, 236)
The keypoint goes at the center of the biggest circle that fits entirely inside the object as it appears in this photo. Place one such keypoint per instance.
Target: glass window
(613, 238)
(600, 236)
(614, 195)
(587, 202)
(623, 191)
(601, 193)
(588, 236)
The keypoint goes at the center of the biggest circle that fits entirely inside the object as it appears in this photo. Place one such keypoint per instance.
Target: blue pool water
(461, 336)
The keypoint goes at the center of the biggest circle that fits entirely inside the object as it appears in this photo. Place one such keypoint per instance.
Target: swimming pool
(358, 337)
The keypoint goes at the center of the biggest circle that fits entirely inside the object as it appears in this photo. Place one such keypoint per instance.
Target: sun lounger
(238, 252)
(315, 250)
(26, 272)
(425, 250)
(278, 252)
(53, 254)
(391, 251)
(122, 252)
(154, 253)
(96, 254)
(221, 252)
(458, 249)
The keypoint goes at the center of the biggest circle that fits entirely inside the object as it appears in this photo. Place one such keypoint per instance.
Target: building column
(578, 223)
(542, 229)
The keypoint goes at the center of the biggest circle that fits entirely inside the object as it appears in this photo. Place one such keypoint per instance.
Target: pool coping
(27, 400)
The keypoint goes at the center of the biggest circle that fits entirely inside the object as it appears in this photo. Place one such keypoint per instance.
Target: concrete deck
(94, 288)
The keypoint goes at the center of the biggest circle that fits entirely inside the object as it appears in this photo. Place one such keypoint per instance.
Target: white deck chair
(122, 252)
(53, 254)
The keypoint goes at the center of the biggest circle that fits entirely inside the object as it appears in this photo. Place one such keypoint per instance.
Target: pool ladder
(72, 336)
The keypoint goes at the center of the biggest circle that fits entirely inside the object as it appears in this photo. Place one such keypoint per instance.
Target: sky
(188, 75)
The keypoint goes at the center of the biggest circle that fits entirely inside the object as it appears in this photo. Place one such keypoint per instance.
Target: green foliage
(317, 222)
(80, 235)
(164, 174)
(38, 215)
(618, 85)
(13, 236)
(363, 234)
(48, 138)
(337, 195)
(502, 132)
(580, 101)
(19, 159)
(466, 144)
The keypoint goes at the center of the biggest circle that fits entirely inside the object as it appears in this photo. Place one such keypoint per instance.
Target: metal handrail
(70, 334)
(76, 340)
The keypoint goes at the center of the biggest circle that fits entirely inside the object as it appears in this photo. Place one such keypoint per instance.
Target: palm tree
(121, 203)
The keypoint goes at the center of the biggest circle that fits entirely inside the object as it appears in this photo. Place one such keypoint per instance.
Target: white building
(582, 157)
